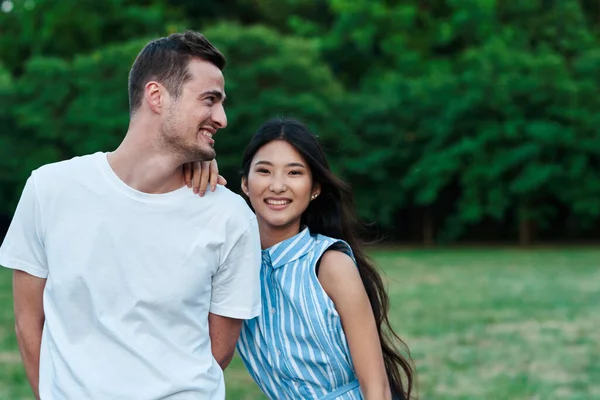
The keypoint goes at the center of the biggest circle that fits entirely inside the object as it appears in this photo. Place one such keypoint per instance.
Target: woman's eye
(262, 171)
(295, 172)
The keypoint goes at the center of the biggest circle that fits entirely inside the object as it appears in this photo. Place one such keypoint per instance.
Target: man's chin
(203, 155)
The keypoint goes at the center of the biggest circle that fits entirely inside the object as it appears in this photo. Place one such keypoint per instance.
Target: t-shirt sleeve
(236, 284)
(23, 246)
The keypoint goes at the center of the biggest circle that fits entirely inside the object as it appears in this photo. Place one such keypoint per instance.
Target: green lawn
(481, 324)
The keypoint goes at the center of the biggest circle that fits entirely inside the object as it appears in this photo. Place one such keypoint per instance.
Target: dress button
(278, 352)
(273, 310)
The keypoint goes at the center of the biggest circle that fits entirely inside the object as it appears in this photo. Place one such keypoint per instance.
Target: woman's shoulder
(326, 244)
(323, 240)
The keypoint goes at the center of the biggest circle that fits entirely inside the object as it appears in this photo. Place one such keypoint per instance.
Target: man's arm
(28, 293)
(224, 333)
(235, 293)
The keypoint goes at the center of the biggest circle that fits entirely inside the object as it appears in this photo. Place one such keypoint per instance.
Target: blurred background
(469, 130)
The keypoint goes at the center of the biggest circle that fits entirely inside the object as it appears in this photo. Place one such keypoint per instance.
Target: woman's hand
(198, 175)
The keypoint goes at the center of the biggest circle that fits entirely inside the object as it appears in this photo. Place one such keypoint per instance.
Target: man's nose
(218, 116)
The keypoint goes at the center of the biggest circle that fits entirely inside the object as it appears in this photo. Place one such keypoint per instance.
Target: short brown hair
(166, 61)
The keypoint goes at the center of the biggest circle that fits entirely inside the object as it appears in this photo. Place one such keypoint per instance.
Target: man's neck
(142, 166)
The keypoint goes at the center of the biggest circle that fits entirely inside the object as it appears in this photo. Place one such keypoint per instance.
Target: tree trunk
(428, 228)
(525, 225)
(525, 232)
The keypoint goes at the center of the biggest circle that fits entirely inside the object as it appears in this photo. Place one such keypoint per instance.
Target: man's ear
(154, 96)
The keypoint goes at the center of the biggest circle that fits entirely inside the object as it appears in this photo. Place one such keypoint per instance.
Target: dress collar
(290, 249)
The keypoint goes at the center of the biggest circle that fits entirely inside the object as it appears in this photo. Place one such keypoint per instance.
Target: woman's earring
(314, 196)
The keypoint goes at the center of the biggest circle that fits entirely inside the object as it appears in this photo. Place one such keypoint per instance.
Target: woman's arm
(340, 278)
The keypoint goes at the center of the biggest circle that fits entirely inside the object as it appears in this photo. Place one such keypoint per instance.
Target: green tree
(8, 163)
(66, 108)
(483, 96)
(69, 27)
(273, 75)
(461, 113)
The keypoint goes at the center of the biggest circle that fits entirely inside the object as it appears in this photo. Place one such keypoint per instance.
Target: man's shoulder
(66, 168)
(230, 202)
(232, 210)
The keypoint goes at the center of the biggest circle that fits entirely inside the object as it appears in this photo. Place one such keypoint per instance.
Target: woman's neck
(271, 235)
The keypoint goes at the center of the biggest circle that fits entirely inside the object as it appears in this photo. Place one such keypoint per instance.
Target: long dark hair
(332, 214)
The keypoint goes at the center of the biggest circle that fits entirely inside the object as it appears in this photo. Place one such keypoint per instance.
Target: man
(126, 284)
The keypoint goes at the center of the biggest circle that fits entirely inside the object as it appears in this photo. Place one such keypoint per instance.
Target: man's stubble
(183, 145)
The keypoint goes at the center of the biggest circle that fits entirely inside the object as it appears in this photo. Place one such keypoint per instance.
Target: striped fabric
(296, 349)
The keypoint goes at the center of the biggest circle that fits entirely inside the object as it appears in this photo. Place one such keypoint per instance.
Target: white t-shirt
(131, 278)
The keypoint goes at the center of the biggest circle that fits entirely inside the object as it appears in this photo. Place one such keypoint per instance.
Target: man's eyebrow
(217, 93)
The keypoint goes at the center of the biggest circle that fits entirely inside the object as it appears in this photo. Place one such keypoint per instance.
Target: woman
(323, 332)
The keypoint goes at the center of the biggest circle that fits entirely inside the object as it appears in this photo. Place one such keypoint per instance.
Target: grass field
(481, 324)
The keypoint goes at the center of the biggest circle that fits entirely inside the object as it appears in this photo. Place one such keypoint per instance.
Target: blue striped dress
(296, 349)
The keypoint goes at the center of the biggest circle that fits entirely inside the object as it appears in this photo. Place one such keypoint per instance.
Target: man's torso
(129, 287)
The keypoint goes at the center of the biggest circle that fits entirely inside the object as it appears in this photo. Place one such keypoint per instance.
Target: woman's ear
(245, 187)
(316, 191)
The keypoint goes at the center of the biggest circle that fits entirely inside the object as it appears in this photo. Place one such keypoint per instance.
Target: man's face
(190, 121)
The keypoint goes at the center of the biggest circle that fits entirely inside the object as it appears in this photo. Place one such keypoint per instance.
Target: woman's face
(280, 187)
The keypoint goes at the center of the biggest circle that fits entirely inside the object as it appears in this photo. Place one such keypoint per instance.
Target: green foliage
(66, 108)
(466, 112)
(272, 75)
(8, 163)
(497, 111)
(68, 27)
